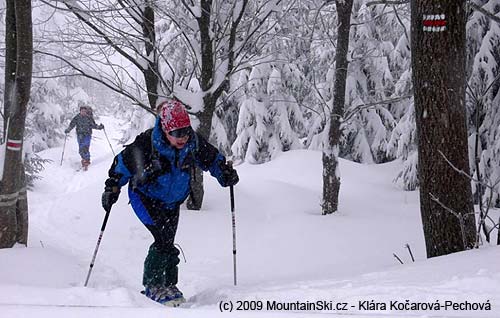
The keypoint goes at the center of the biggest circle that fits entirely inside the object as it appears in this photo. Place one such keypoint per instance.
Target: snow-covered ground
(287, 252)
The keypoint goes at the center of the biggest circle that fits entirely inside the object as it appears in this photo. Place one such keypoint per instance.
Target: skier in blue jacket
(157, 167)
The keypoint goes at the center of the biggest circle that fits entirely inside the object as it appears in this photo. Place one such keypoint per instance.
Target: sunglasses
(180, 133)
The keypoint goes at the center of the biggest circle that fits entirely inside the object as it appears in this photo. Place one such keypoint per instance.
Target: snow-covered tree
(270, 120)
(330, 157)
(483, 98)
(120, 38)
(403, 145)
(252, 141)
(372, 77)
(286, 115)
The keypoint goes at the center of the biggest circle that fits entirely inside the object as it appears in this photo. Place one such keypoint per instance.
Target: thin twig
(466, 174)
(409, 251)
(356, 109)
(460, 217)
(397, 257)
(391, 2)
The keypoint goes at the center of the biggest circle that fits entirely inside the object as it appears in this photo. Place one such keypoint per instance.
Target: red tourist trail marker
(14, 145)
(434, 22)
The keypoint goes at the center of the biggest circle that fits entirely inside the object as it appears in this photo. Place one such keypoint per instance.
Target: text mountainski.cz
(362, 305)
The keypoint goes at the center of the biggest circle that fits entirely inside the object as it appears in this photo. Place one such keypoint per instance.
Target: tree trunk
(10, 62)
(22, 211)
(12, 209)
(195, 200)
(438, 62)
(8, 222)
(151, 73)
(206, 80)
(331, 176)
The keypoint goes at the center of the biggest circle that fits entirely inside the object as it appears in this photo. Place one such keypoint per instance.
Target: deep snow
(286, 250)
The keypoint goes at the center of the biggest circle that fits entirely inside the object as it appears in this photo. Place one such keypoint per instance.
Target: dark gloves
(229, 174)
(66, 131)
(110, 196)
(100, 127)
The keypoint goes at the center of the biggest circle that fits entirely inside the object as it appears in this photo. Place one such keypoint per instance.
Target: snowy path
(287, 251)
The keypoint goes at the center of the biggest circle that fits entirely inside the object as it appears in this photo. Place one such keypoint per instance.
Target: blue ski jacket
(159, 172)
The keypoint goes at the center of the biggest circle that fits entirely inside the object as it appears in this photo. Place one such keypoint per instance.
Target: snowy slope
(286, 250)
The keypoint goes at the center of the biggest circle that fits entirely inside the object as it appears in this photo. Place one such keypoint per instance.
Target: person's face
(178, 143)
(83, 112)
(179, 138)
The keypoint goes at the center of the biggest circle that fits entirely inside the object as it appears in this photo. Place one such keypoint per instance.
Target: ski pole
(103, 227)
(105, 134)
(233, 217)
(64, 147)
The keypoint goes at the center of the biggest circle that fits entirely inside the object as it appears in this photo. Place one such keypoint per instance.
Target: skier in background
(84, 122)
(157, 167)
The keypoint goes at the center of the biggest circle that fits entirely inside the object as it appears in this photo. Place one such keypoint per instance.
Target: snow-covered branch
(109, 84)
